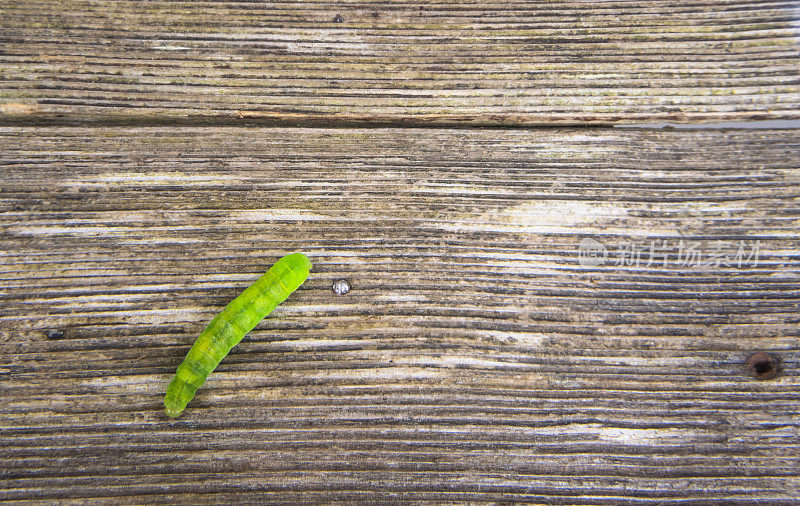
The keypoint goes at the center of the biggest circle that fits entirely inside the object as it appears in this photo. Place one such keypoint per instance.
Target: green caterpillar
(230, 326)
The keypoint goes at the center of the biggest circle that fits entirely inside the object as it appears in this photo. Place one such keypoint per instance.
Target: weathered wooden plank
(497, 62)
(475, 358)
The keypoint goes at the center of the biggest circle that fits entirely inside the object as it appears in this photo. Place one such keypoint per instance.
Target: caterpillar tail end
(172, 412)
(172, 408)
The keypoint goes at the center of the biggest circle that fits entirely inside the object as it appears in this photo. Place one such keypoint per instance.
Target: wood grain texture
(496, 62)
(475, 358)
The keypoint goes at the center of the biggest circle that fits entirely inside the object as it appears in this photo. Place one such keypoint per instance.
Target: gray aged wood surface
(475, 357)
(490, 62)
(156, 157)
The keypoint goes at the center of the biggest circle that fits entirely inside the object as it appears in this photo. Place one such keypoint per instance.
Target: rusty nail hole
(763, 366)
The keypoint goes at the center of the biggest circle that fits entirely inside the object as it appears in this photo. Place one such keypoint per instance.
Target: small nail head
(341, 286)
